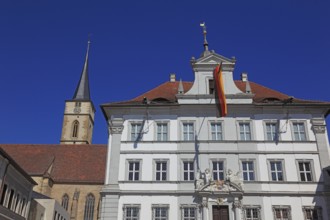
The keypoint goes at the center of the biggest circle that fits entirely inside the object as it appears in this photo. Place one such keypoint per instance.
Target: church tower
(79, 112)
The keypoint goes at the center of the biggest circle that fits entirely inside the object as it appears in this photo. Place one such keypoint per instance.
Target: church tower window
(75, 127)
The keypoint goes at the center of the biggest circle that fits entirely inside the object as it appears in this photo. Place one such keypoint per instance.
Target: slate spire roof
(82, 91)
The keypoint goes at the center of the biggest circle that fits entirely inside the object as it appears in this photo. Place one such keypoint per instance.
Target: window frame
(211, 132)
(257, 207)
(155, 161)
(303, 122)
(318, 210)
(254, 169)
(288, 208)
(90, 204)
(310, 161)
(269, 161)
(277, 130)
(168, 130)
(189, 171)
(125, 206)
(188, 206)
(193, 130)
(208, 86)
(162, 206)
(65, 201)
(128, 161)
(139, 136)
(220, 160)
(239, 122)
(75, 129)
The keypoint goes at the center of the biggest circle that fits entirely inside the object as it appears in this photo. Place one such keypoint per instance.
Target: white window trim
(254, 169)
(131, 206)
(305, 127)
(258, 207)
(223, 160)
(194, 206)
(127, 169)
(221, 122)
(278, 124)
(238, 122)
(317, 208)
(153, 206)
(156, 130)
(310, 161)
(167, 169)
(282, 207)
(129, 138)
(207, 83)
(182, 168)
(182, 131)
(270, 172)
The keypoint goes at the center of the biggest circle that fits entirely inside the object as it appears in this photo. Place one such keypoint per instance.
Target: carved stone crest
(204, 182)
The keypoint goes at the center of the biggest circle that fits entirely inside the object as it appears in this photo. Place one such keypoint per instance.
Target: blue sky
(283, 44)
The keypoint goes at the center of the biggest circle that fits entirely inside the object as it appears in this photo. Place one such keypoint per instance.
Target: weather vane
(204, 33)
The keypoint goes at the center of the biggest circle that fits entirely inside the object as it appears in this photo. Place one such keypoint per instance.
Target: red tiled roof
(70, 163)
(168, 91)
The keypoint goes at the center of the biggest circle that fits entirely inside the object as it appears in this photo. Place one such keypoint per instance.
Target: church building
(170, 156)
(58, 169)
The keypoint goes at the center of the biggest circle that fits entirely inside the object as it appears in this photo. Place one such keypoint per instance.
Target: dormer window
(211, 86)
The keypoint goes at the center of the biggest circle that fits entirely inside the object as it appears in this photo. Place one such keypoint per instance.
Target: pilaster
(110, 192)
(318, 126)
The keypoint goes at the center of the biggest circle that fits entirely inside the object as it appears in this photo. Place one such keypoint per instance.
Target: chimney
(172, 77)
(244, 77)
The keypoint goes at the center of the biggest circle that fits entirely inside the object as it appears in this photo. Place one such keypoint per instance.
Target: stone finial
(180, 88)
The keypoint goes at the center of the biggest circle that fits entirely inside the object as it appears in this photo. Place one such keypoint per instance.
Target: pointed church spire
(82, 91)
(206, 44)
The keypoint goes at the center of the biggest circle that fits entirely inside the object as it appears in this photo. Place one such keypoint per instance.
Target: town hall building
(171, 157)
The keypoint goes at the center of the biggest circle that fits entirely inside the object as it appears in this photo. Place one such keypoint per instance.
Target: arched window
(65, 201)
(75, 126)
(89, 207)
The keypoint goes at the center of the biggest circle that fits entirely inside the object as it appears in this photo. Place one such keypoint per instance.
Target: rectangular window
(131, 212)
(299, 131)
(133, 170)
(312, 213)
(211, 86)
(188, 131)
(248, 170)
(218, 170)
(251, 213)
(161, 170)
(282, 213)
(271, 131)
(216, 131)
(189, 213)
(160, 213)
(188, 170)
(305, 171)
(276, 170)
(245, 131)
(136, 131)
(162, 132)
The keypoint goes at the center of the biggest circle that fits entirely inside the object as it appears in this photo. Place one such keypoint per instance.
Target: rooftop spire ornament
(206, 44)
